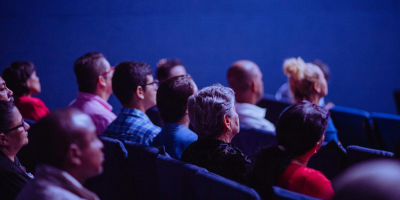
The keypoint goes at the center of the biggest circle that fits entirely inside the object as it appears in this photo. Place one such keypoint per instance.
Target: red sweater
(31, 108)
(306, 181)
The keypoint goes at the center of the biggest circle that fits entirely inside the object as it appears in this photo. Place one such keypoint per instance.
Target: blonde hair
(302, 77)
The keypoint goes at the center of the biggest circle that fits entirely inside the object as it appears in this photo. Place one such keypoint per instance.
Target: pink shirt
(96, 107)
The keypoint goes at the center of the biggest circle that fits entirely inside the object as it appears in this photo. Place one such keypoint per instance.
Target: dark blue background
(359, 40)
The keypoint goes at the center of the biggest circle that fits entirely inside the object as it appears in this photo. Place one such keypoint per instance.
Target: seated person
(93, 75)
(212, 113)
(13, 135)
(134, 87)
(68, 153)
(300, 134)
(22, 80)
(165, 69)
(245, 78)
(307, 82)
(172, 97)
(5, 93)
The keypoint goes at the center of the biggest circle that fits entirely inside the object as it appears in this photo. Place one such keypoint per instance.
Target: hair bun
(293, 67)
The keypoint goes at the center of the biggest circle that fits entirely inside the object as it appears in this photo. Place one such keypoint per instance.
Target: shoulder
(46, 191)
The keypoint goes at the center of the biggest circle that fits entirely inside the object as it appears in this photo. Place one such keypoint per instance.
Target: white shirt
(253, 116)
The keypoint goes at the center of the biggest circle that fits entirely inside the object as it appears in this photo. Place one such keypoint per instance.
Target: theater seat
(353, 126)
(282, 194)
(116, 182)
(386, 129)
(397, 100)
(176, 178)
(214, 187)
(357, 154)
(251, 140)
(273, 106)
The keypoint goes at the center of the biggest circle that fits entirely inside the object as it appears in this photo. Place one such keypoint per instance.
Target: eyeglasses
(107, 72)
(17, 127)
(154, 83)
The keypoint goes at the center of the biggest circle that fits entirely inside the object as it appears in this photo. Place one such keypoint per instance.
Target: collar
(134, 112)
(92, 97)
(250, 109)
(173, 126)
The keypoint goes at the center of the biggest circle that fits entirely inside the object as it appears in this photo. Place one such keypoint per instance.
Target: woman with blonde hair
(307, 82)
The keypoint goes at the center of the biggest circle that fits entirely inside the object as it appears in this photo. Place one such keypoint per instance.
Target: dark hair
(164, 69)
(299, 128)
(87, 69)
(6, 115)
(127, 77)
(16, 75)
(172, 97)
(324, 67)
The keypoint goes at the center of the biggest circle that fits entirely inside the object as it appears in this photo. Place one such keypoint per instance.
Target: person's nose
(9, 92)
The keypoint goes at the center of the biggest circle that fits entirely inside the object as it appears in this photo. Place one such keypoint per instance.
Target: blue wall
(359, 40)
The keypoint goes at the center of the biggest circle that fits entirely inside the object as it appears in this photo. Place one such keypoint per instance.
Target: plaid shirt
(132, 125)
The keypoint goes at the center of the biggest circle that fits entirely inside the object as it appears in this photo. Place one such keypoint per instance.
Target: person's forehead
(149, 78)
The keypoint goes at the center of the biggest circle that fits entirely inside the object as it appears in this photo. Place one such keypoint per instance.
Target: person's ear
(140, 92)
(187, 111)
(3, 139)
(317, 87)
(253, 86)
(227, 122)
(102, 81)
(74, 154)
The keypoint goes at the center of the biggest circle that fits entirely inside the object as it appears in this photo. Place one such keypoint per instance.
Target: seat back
(387, 130)
(142, 162)
(282, 194)
(273, 106)
(356, 154)
(397, 100)
(176, 178)
(251, 140)
(353, 126)
(116, 182)
(211, 186)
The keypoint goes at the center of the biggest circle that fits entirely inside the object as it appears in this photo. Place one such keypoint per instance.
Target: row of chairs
(134, 171)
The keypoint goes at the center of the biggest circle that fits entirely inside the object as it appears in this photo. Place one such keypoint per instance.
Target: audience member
(135, 88)
(5, 93)
(172, 97)
(245, 78)
(300, 134)
(212, 113)
(377, 179)
(22, 80)
(68, 152)
(307, 82)
(13, 135)
(93, 75)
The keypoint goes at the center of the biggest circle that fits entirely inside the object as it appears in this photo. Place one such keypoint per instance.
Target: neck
(10, 155)
(226, 138)
(77, 176)
(246, 97)
(185, 121)
(103, 94)
(314, 99)
(303, 159)
(135, 105)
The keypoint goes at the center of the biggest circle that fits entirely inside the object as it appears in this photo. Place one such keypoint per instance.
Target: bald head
(57, 131)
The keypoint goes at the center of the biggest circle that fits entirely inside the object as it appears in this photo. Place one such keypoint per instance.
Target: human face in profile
(34, 84)
(17, 134)
(5, 93)
(150, 92)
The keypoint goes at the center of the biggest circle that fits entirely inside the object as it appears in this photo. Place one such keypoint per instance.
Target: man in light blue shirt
(172, 96)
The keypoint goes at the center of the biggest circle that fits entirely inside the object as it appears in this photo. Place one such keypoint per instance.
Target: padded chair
(212, 186)
(356, 154)
(282, 194)
(387, 130)
(176, 178)
(331, 159)
(116, 182)
(251, 140)
(353, 126)
(397, 100)
(273, 106)
(142, 161)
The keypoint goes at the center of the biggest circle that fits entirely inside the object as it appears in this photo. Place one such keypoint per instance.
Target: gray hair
(207, 109)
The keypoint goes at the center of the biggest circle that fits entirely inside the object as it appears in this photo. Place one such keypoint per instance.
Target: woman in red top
(22, 80)
(300, 133)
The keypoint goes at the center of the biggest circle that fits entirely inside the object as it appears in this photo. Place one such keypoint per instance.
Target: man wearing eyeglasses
(93, 74)
(134, 86)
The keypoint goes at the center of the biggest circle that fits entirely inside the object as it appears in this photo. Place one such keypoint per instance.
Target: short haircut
(87, 69)
(53, 136)
(239, 79)
(6, 115)
(207, 109)
(127, 77)
(16, 75)
(172, 97)
(164, 70)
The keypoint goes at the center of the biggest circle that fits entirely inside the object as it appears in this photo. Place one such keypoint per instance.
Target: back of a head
(54, 134)
(240, 75)
(376, 179)
(172, 97)
(207, 109)
(127, 77)
(302, 76)
(87, 69)
(164, 69)
(16, 76)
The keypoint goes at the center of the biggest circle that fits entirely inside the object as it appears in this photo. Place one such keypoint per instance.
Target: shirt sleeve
(317, 185)
(36, 110)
